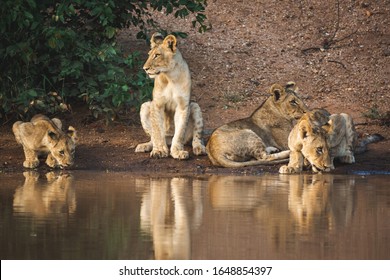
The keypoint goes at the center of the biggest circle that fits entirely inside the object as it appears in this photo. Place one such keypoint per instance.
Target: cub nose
(146, 68)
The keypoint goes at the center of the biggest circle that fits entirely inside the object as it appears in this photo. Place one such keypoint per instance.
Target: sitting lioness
(45, 136)
(308, 142)
(170, 118)
(255, 139)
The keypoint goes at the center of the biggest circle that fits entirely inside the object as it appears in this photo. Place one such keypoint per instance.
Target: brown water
(97, 215)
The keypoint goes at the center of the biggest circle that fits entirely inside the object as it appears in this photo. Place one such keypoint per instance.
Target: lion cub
(320, 137)
(45, 136)
(255, 139)
(308, 142)
(170, 118)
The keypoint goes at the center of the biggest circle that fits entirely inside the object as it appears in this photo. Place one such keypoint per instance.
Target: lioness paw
(180, 154)
(156, 153)
(199, 150)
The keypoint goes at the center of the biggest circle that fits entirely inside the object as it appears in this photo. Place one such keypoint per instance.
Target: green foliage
(57, 52)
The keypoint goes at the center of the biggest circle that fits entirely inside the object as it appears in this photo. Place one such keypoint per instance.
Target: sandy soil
(339, 58)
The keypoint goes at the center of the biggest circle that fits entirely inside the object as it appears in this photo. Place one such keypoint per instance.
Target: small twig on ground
(338, 62)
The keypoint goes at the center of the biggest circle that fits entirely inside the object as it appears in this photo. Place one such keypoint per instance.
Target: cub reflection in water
(314, 201)
(170, 209)
(44, 197)
(287, 204)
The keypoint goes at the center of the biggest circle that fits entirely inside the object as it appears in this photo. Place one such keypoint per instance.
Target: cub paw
(31, 163)
(51, 162)
(285, 169)
(348, 159)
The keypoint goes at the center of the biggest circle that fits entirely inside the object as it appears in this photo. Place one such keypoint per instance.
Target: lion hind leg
(144, 147)
(195, 130)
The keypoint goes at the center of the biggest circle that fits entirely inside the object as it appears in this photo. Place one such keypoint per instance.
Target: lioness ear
(277, 90)
(72, 133)
(170, 42)
(157, 39)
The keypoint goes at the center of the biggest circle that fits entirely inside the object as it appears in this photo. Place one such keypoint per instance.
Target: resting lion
(308, 142)
(255, 139)
(170, 118)
(45, 136)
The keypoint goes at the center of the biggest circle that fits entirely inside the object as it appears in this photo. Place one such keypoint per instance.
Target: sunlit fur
(44, 136)
(170, 118)
(261, 138)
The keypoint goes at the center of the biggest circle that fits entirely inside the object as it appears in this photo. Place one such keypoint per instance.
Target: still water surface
(97, 215)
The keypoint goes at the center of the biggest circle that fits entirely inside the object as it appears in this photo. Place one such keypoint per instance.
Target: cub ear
(72, 133)
(170, 42)
(57, 122)
(292, 86)
(328, 127)
(157, 39)
(52, 135)
(277, 91)
(304, 130)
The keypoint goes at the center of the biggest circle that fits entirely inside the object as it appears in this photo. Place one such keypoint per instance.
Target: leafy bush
(54, 53)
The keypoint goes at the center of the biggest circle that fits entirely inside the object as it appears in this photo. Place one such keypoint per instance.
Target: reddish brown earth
(339, 58)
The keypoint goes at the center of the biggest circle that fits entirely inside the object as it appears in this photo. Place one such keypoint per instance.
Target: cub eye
(319, 150)
(293, 102)
(62, 153)
(156, 55)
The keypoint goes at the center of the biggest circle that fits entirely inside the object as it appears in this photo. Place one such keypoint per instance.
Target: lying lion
(45, 136)
(255, 139)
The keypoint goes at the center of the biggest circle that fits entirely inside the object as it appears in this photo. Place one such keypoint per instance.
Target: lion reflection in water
(294, 204)
(170, 209)
(42, 198)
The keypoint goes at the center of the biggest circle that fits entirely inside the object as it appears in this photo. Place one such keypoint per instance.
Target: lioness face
(161, 55)
(293, 106)
(316, 150)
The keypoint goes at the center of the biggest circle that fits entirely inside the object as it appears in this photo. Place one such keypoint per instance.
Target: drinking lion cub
(255, 139)
(45, 136)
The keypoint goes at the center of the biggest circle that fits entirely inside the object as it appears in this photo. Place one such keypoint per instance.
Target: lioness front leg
(32, 160)
(160, 148)
(181, 121)
(295, 164)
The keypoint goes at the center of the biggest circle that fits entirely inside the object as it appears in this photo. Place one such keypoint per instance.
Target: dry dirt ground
(338, 53)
